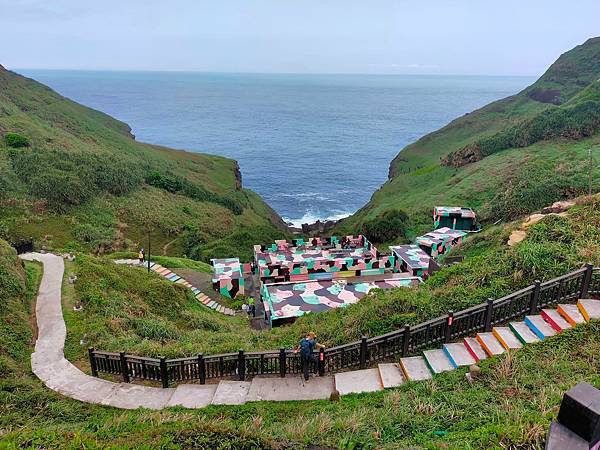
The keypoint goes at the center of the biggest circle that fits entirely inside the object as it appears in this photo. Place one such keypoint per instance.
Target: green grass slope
(72, 177)
(510, 157)
(128, 309)
(509, 406)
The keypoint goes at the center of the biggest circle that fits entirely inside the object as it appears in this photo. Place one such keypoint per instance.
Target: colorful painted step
(490, 344)
(523, 332)
(506, 337)
(459, 355)
(539, 326)
(437, 360)
(415, 368)
(555, 320)
(391, 375)
(590, 309)
(475, 349)
(571, 314)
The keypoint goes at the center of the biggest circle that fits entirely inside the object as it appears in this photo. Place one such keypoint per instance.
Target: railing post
(93, 361)
(164, 375)
(201, 368)
(282, 362)
(587, 280)
(124, 370)
(241, 365)
(406, 341)
(363, 352)
(321, 362)
(449, 326)
(535, 297)
(489, 310)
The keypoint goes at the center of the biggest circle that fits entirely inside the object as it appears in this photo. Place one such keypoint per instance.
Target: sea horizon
(295, 136)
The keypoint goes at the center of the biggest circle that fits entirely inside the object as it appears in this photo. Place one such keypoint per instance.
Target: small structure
(455, 218)
(410, 258)
(440, 241)
(228, 278)
(284, 302)
(578, 423)
(319, 259)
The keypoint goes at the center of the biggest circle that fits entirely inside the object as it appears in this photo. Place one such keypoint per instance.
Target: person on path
(251, 307)
(142, 256)
(306, 347)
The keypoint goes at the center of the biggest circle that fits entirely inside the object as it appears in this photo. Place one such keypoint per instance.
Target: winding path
(49, 364)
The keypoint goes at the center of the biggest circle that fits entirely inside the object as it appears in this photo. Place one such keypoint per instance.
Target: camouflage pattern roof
(454, 210)
(300, 256)
(412, 254)
(288, 300)
(226, 269)
(440, 236)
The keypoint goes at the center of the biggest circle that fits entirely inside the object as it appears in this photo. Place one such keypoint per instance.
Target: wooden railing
(358, 354)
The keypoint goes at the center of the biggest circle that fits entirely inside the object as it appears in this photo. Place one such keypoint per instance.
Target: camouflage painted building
(440, 241)
(412, 259)
(454, 217)
(284, 302)
(228, 276)
(320, 259)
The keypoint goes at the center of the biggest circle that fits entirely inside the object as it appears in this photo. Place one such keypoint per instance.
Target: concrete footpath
(48, 363)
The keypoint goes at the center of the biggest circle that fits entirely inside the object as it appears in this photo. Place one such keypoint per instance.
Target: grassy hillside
(72, 177)
(510, 406)
(512, 156)
(125, 308)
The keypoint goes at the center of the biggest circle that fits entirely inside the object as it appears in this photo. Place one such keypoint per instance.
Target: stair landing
(366, 380)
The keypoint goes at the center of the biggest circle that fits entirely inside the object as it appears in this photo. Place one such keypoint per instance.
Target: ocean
(313, 146)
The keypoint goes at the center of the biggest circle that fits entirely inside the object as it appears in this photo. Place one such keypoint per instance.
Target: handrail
(359, 353)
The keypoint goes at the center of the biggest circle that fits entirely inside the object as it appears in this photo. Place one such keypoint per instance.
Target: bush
(16, 140)
(175, 184)
(71, 179)
(391, 225)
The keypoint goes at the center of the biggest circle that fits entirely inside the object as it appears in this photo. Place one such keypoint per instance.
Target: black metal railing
(358, 354)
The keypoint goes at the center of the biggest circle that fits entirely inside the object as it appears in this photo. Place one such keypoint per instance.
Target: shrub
(391, 225)
(175, 184)
(71, 179)
(16, 140)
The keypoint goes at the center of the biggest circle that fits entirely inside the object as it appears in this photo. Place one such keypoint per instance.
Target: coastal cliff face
(507, 158)
(73, 176)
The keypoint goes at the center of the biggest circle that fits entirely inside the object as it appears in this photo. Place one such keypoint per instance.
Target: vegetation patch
(16, 140)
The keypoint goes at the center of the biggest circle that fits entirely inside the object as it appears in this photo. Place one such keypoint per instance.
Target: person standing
(307, 347)
(142, 256)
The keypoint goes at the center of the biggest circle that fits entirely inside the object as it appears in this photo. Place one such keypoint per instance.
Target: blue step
(539, 326)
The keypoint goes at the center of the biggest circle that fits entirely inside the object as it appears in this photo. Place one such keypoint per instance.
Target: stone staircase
(172, 276)
(533, 328)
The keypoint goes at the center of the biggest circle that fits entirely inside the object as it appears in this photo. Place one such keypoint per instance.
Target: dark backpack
(305, 347)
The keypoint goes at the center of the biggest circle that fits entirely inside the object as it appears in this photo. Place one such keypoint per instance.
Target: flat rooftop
(440, 236)
(290, 300)
(412, 255)
(226, 269)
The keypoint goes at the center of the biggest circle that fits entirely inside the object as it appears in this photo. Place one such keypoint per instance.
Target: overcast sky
(507, 37)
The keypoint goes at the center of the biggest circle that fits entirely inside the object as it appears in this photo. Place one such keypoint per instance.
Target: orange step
(571, 314)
